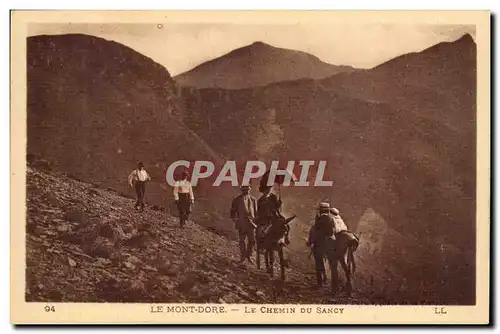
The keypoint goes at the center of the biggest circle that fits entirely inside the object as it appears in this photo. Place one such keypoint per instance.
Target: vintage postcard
(250, 167)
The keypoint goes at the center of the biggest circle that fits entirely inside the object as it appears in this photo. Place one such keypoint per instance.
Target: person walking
(319, 258)
(243, 213)
(323, 228)
(184, 198)
(138, 178)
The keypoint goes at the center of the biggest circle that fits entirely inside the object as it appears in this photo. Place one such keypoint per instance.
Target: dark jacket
(323, 227)
(268, 208)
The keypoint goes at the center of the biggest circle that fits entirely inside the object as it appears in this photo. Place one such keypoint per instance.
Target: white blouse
(183, 187)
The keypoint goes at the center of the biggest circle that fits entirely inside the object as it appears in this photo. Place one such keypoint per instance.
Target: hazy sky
(180, 47)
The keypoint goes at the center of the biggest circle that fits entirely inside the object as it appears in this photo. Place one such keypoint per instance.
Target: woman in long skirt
(184, 198)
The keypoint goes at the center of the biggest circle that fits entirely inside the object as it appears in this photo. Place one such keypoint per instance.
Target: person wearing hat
(322, 229)
(138, 178)
(184, 197)
(268, 210)
(268, 206)
(341, 226)
(243, 213)
(319, 259)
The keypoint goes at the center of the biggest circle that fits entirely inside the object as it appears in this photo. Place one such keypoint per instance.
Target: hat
(324, 206)
(335, 211)
(263, 188)
(245, 187)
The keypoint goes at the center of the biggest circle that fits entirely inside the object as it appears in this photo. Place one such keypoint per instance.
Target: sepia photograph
(266, 166)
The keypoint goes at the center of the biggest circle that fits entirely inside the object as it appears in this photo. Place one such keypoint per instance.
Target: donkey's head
(280, 226)
(282, 221)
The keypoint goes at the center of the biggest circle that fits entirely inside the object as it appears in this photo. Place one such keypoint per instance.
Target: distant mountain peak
(467, 38)
(260, 43)
(258, 64)
(463, 49)
(255, 47)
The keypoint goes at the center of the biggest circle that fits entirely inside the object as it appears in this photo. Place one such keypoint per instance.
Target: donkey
(341, 249)
(271, 240)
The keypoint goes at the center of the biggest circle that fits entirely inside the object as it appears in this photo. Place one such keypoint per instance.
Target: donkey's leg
(258, 258)
(266, 258)
(257, 255)
(271, 262)
(282, 262)
(345, 266)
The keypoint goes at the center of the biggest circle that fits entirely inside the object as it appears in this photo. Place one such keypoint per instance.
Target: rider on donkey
(268, 209)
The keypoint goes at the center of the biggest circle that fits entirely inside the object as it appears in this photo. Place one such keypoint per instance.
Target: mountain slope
(257, 64)
(96, 107)
(399, 138)
(438, 83)
(85, 244)
(436, 91)
(404, 148)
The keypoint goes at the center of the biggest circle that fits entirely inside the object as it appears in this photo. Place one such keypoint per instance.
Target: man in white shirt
(184, 197)
(138, 178)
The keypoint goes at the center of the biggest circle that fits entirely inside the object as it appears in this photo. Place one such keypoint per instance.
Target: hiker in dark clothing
(323, 228)
(243, 213)
(138, 178)
(268, 212)
(319, 259)
(184, 198)
(268, 206)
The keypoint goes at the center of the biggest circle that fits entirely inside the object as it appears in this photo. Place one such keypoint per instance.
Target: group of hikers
(252, 217)
(183, 191)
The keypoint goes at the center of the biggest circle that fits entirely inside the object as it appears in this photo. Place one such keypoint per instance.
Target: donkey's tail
(353, 244)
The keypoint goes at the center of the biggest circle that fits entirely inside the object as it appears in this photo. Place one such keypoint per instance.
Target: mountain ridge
(465, 41)
(257, 64)
(417, 127)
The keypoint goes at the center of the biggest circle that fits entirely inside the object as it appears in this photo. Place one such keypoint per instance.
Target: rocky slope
(96, 107)
(86, 244)
(255, 65)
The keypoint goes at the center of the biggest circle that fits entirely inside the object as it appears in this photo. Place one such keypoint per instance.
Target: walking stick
(279, 194)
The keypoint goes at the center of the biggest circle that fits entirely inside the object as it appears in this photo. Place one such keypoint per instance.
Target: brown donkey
(272, 239)
(341, 249)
